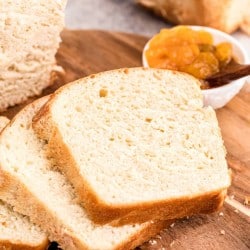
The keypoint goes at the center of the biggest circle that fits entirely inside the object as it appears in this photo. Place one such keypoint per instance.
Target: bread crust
(101, 212)
(145, 234)
(9, 245)
(226, 15)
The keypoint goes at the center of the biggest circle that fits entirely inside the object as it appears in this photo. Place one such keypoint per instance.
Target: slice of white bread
(16, 231)
(29, 37)
(137, 144)
(30, 183)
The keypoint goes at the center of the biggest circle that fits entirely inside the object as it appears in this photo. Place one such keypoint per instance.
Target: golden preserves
(187, 50)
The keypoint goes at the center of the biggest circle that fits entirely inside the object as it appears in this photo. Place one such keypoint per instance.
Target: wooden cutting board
(87, 52)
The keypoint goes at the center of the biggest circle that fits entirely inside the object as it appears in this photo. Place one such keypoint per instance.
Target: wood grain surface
(87, 52)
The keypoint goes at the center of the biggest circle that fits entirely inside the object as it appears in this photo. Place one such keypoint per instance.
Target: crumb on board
(158, 237)
(222, 232)
(172, 225)
(236, 211)
(152, 242)
(172, 243)
(221, 214)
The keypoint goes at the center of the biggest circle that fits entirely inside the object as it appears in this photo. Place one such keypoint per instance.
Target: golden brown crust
(9, 245)
(180, 12)
(97, 209)
(226, 15)
(144, 235)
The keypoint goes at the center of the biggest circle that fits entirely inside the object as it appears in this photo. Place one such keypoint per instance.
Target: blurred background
(121, 15)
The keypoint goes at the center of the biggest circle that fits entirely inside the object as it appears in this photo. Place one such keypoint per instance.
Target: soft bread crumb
(34, 28)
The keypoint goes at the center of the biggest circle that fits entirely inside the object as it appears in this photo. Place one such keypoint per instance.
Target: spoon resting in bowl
(230, 72)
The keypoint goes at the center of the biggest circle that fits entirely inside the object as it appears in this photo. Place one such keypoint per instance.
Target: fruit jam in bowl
(201, 52)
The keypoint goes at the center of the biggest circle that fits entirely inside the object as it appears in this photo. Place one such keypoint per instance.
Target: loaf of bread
(33, 186)
(226, 15)
(16, 231)
(137, 144)
(29, 38)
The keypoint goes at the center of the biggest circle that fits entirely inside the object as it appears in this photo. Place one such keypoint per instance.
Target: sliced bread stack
(111, 157)
(30, 183)
(16, 231)
(29, 38)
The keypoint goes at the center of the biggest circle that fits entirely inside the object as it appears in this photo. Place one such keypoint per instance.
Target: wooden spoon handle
(232, 73)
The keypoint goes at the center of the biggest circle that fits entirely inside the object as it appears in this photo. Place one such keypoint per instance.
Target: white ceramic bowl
(219, 96)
